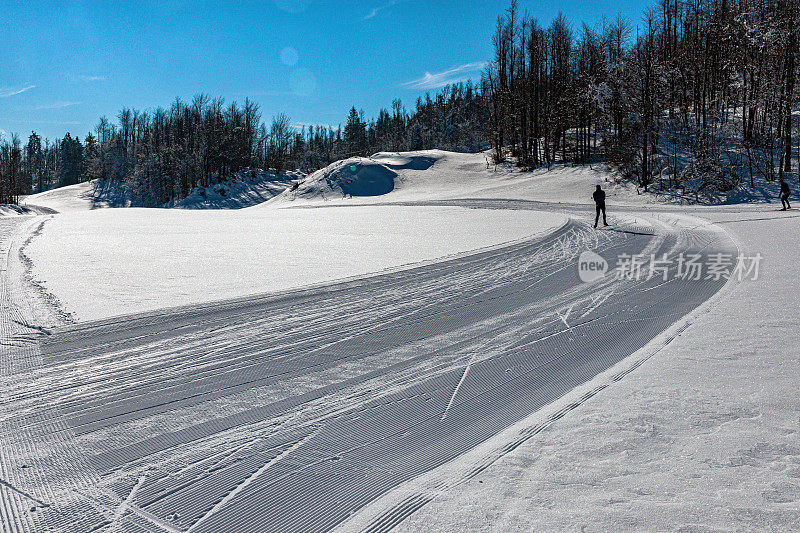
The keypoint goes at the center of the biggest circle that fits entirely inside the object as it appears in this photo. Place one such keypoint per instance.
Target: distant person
(785, 193)
(600, 203)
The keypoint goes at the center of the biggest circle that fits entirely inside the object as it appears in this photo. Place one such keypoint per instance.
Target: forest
(698, 94)
(160, 156)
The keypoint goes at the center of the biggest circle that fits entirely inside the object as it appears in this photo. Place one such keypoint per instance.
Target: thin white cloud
(5, 92)
(292, 6)
(85, 78)
(55, 105)
(378, 9)
(440, 79)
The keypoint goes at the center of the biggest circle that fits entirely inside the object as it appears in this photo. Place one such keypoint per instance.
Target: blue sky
(64, 64)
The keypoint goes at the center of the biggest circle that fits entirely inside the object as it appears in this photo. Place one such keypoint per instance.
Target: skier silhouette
(600, 203)
(785, 193)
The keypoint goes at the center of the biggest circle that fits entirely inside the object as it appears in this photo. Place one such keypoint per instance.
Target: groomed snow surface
(118, 261)
(703, 436)
(698, 431)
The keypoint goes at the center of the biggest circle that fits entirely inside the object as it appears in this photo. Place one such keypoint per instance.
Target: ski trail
(147, 516)
(179, 392)
(597, 301)
(216, 458)
(564, 315)
(460, 382)
(21, 492)
(244, 484)
(126, 503)
(38, 456)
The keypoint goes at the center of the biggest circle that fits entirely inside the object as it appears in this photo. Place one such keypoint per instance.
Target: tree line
(156, 157)
(700, 91)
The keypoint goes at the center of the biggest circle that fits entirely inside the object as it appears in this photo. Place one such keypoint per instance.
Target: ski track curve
(290, 412)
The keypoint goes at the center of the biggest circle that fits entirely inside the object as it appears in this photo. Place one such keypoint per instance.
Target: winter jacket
(599, 197)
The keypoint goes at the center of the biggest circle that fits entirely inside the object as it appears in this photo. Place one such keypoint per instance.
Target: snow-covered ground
(289, 412)
(100, 263)
(697, 431)
(117, 261)
(703, 436)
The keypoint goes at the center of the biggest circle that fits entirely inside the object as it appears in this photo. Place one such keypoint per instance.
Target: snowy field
(460, 390)
(136, 260)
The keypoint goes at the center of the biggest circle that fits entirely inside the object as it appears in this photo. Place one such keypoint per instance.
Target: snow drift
(244, 189)
(357, 176)
(72, 198)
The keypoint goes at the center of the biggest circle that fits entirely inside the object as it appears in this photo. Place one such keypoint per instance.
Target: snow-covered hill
(80, 197)
(393, 177)
(356, 176)
(246, 189)
(438, 175)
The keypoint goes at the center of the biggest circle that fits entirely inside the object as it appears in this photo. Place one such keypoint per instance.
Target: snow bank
(356, 176)
(110, 262)
(246, 189)
(72, 198)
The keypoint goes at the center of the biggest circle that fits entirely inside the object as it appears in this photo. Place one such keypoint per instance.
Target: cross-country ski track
(292, 411)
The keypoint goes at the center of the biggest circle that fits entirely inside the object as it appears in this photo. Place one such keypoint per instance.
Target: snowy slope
(67, 199)
(436, 175)
(248, 188)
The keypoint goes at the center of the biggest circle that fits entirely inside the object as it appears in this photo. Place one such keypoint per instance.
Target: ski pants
(600, 208)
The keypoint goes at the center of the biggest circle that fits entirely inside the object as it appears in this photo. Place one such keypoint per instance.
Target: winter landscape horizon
(405, 266)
